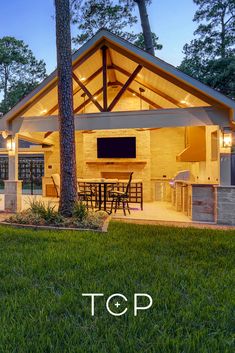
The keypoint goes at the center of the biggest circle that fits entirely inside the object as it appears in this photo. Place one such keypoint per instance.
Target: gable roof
(165, 86)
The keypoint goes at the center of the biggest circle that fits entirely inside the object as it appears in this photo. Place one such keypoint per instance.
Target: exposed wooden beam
(104, 64)
(125, 120)
(188, 88)
(47, 134)
(151, 88)
(34, 140)
(77, 89)
(111, 72)
(124, 87)
(54, 83)
(87, 101)
(87, 92)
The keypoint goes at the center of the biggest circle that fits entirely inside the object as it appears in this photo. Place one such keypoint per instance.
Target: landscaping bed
(41, 215)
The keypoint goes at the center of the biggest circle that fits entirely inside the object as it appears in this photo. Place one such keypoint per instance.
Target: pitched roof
(164, 86)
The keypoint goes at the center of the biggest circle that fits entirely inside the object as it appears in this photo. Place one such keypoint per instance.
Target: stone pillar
(225, 168)
(225, 205)
(203, 203)
(13, 195)
(13, 186)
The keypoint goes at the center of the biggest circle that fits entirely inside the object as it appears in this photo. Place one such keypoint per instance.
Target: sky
(33, 22)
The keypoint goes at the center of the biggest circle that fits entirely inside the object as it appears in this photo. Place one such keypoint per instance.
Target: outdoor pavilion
(120, 90)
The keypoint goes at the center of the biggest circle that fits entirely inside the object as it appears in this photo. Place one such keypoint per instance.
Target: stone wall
(225, 213)
(93, 167)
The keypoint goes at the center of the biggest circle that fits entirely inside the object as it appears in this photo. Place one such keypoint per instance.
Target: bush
(94, 220)
(26, 217)
(40, 213)
(80, 211)
(46, 212)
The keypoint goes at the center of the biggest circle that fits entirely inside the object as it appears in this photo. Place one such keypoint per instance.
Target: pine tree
(68, 184)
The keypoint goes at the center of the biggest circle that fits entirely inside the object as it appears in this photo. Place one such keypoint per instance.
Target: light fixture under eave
(142, 90)
(10, 143)
(84, 100)
(44, 111)
(5, 134)
(227, 139)
(83, 79)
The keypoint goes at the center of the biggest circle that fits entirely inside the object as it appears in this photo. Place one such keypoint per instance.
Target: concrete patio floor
(153, 211)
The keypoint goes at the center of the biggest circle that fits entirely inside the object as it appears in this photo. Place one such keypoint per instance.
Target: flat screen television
(116, 147)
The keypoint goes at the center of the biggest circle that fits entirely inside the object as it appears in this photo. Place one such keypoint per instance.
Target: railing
(135, 191)
(3, 171)
(31, 171)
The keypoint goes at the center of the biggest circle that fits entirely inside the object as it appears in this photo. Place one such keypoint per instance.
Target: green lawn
(188, 272)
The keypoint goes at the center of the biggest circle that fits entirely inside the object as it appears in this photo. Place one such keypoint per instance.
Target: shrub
(80, 211)
(26, 217)
(46, 212)
(94, 220)
(40, 213)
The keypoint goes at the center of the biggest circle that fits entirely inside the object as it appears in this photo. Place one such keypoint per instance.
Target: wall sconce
(227, 139)
(11, 143)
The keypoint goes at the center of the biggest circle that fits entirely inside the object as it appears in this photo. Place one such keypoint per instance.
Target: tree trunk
(68, 179)
(223, 37)
(148, 39)
(5, 89)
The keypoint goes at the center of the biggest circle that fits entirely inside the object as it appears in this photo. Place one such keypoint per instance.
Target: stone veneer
(225, 213)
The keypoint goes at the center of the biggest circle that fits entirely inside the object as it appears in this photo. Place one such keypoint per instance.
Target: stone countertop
(196, 183)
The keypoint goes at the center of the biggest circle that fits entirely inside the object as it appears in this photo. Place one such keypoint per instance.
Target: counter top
(196, 183)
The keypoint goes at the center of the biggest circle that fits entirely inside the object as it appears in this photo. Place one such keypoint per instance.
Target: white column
(13, 186)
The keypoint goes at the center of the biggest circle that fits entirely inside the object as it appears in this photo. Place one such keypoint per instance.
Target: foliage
(41, 213)
(90, 16)
(45, 210)
(210, 57)
(27, 217)
(19, 70)
(139, 42)
(116, 16)
(15, 93)
(80, 211)
(188, 272)
(216, 31)
(94, 220)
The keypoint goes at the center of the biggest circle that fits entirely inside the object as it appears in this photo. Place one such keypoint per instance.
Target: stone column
(225, 163)
(225, 169)
(13, 186)
(226, 205)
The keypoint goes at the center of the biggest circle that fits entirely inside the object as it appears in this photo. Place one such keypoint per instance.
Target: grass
(188, 272)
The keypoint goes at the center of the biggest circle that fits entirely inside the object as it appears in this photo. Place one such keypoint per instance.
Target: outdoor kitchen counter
(195, 199)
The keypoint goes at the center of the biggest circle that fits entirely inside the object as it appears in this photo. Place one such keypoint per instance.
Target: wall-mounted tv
(116, 147)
